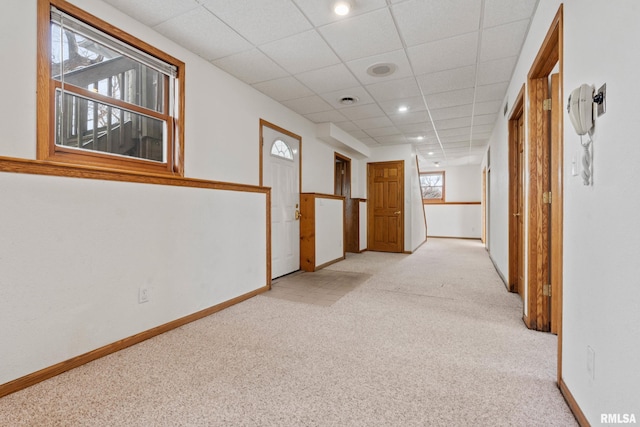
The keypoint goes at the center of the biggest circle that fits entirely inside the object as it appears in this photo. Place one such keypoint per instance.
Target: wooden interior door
(557, 172)
(519, 207)
(385, 207)
(516, 197)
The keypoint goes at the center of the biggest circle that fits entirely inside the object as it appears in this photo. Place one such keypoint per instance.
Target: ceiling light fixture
(403, 109)
(342, 8)
(420, 138)
(430, 153)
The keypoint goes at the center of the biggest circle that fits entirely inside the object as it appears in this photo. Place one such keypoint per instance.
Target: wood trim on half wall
(57, 369)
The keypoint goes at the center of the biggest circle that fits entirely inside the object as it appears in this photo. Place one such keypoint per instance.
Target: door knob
(516, 214)
(298, 214)
(397, 213)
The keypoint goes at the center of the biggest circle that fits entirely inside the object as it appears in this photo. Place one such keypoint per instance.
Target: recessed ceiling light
(381, 70)
(437, 164)
(420, 138)
(348, 100)
(403, 109)
(341, 8)
(430, 153)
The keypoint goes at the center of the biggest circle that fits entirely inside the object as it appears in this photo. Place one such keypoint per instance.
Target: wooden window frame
(435, 201)
(47, 150)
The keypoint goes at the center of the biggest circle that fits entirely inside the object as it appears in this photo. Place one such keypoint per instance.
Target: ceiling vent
(381, 70)
(348, 100)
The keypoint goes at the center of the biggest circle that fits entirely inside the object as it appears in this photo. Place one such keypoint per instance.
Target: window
(432, 184)
(106, 98)
(279, 148)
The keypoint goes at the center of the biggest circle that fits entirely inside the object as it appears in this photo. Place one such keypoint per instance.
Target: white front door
(280, 171)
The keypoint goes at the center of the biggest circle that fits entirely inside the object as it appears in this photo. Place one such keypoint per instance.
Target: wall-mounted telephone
(580, 108)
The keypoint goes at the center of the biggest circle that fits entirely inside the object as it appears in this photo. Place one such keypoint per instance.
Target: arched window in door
(279, 148)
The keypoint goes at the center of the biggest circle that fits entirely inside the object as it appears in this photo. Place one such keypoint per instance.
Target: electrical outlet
(143, 295)
(591, 363)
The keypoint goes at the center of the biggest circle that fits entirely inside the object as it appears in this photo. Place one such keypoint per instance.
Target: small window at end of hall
(432, 184)
(279, 148)
(106, 98)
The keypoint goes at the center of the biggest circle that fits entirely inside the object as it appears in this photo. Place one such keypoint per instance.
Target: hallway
(427, 339)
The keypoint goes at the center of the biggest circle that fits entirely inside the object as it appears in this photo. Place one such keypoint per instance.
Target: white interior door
(281, 170)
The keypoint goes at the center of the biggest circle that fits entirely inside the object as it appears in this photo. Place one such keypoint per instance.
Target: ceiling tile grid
(448, 62)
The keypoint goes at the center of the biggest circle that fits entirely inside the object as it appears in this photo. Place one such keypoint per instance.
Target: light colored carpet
(430, 339)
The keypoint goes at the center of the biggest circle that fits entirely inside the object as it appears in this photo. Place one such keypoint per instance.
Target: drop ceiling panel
(328, 79)
(493, 92)
(489, 107)
(359, 112)
(442, 81)
(271, 20)
(302, 52)
(503, 41)
(386, 131)
(204, 34)
(347, 126)
(308, 105)
(319, 12)
(452, 112)
(485, 119)
(409, 118)
(283, 89)
(373, 123)
(452, 123)
(444, 54)
(370, 34)
(392, 140)
(326, 116)
(394, 89)
(415, 129)
(425, 21)
(497, 71)
(251, 66)
(413, 104)
(450, 99)
(153, 12)
(370, 142)
(498, 12)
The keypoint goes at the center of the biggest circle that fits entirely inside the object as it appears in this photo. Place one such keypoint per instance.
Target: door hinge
(546, 197)
(546, 290)
(546, 104)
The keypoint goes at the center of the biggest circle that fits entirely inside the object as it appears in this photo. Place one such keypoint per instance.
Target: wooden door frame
(264, 123)
(517, 113)
(339, 157)
(545, 175)
(371, 200)
(348, 201)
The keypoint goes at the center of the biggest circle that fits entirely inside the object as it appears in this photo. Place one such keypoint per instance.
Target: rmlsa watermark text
(618, 418)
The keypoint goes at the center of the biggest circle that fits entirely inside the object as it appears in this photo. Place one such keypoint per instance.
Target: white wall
(363, 226)
(75, 253)
(462, 184)
(463, 221)
(329, 230)
(601, 231)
